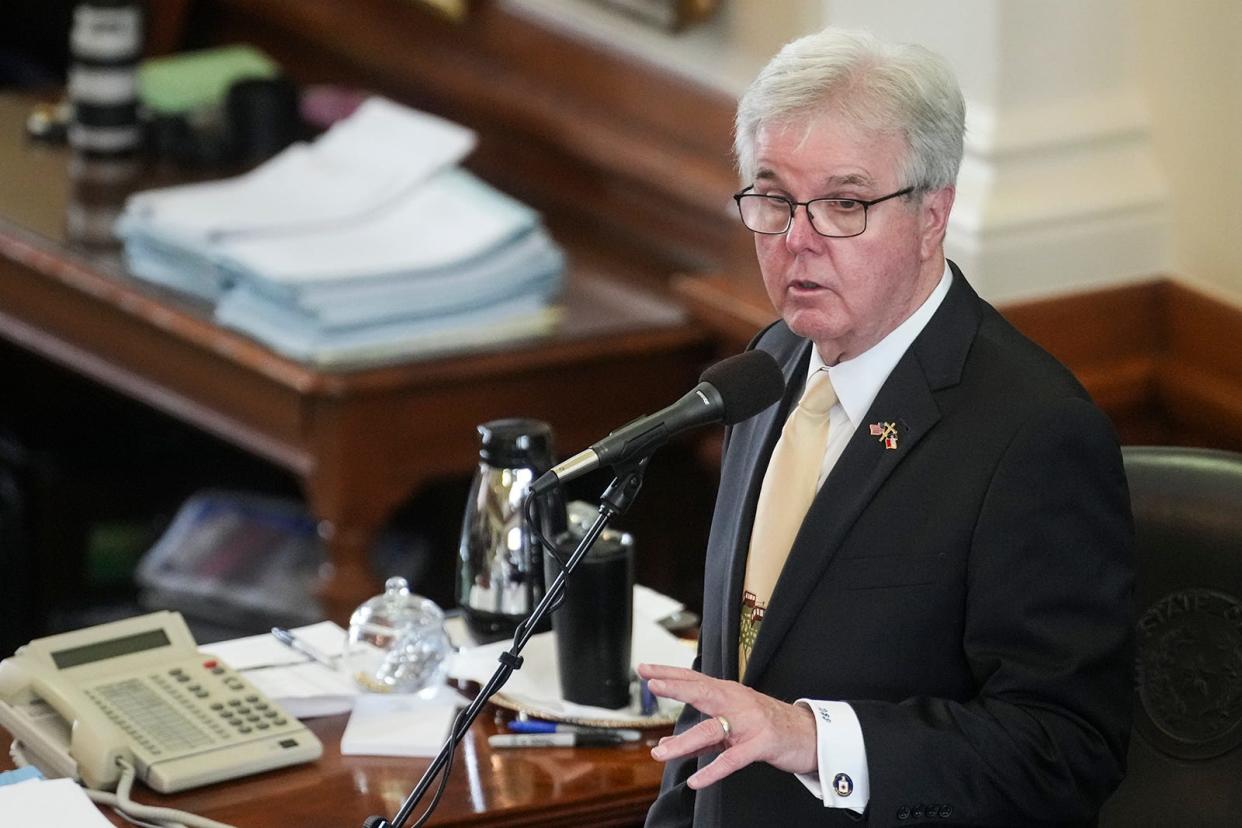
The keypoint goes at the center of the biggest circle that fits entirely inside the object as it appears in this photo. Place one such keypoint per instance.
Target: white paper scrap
(52, 803)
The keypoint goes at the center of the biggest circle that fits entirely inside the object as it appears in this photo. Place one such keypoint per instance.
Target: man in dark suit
(917, 601)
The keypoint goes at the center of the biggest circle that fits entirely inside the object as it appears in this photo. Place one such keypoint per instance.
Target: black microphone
(732, 390)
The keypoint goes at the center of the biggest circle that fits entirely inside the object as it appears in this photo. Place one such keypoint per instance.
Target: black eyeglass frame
(794, 205)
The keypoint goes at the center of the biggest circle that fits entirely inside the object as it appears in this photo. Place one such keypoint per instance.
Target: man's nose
(801, 234)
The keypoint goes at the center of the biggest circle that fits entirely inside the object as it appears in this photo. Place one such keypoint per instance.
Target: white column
(1059, 188)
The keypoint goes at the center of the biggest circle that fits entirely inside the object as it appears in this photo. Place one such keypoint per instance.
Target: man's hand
(760, 728)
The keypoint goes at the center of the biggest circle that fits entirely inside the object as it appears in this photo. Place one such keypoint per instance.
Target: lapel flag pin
(887, 434)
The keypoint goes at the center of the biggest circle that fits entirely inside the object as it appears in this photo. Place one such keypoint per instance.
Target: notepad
(401, 724)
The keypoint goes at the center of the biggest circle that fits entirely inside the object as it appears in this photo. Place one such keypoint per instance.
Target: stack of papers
(305, 689)
(367, 244)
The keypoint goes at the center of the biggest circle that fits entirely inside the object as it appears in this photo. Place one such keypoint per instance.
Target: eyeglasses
(836, 218)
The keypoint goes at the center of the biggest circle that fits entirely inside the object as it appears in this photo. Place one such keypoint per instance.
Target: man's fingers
(704, 735)
(730, 761)
(703, 694)
(707, 695)
(664, 671)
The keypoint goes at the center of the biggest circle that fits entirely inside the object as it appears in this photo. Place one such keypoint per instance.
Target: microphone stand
(616, 500)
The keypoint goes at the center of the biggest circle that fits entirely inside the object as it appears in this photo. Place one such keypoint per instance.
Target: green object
(113, 549)
(178, 84)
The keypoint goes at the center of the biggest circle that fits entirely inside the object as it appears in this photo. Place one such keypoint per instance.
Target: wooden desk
(363, 441)
(537, 787)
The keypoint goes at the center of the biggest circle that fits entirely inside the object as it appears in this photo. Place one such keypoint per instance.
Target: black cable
(535, 530)
(454, 736)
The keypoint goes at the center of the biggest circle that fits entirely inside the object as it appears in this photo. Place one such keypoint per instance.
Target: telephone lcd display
(112, 648)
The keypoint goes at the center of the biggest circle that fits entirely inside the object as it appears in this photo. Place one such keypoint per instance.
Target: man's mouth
(802, 284)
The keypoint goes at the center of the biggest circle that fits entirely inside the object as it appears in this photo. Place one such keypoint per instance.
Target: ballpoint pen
(294, 643)
(540, 726)
(525, 740)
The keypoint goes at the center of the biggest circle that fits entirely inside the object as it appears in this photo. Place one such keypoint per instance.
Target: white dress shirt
(842, 780)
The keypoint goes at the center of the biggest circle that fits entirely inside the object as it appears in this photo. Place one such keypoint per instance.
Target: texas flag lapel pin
(886, 433)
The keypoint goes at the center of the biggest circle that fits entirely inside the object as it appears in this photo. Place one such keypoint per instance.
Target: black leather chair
(1185, 761)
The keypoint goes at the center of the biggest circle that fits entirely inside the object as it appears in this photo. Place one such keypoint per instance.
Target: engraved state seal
(1189, 673)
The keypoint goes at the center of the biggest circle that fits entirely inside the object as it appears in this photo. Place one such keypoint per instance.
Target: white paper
(361, 164)
(449, 218)
(652, 606)
(366, 245)
(401, 724)
(288, 332)
(537, 684)
(52, 803)
(305, 689)
(264, 649)
(532, 252)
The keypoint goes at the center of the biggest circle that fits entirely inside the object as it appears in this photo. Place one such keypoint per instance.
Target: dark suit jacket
(968, 592)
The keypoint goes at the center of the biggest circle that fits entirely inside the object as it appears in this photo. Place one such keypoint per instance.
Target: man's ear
(935, 219)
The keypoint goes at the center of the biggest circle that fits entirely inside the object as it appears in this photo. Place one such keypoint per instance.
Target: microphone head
(747, 383)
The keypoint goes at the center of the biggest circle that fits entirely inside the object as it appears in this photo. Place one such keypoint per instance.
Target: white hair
(888, 87)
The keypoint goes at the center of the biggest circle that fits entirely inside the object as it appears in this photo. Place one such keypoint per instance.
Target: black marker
(526, 740)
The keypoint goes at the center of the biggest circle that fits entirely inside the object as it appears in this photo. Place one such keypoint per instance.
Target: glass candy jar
(397, 642)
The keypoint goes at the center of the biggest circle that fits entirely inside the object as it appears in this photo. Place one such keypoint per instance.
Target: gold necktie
(789, 486)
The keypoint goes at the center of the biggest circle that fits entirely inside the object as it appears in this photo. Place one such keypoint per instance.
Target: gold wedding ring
(724, 725)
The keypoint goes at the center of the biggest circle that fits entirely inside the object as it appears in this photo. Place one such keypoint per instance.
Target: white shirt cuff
(842, 780)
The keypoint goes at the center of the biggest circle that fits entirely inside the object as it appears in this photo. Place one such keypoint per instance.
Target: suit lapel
(906, 399)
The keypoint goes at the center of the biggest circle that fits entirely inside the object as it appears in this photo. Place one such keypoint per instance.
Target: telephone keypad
(144, 715)
(161, 726)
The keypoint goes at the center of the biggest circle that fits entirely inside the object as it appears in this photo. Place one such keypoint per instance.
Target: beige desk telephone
(140, 691)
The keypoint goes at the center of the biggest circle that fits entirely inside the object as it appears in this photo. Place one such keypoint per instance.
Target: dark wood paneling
(1200, 379)
(1098, 326)
(1112, 340)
